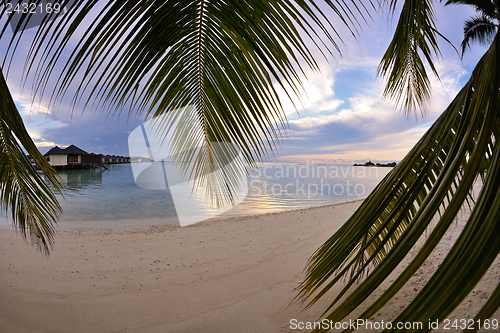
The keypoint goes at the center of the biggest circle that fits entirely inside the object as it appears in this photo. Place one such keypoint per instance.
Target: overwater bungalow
(65, 156)
(114, 159)
(73, 157)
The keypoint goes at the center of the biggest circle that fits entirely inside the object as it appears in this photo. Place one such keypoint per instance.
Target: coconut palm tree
(431, 183)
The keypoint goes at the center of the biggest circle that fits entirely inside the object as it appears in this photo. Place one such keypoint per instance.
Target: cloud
(342, 114)
(366, 126)
(313, 88)
(41, 143)
(329, 105)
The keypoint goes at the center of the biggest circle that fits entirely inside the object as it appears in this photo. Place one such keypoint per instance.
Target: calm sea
(101, 198)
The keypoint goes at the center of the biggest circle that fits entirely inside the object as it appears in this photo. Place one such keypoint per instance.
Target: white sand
(226, 275)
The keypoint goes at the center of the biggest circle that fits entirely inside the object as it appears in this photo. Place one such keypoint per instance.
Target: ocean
(102, 198)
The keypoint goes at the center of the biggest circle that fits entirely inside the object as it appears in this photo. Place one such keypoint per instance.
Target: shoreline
(221, 275)
(155, 222)
(234, 274)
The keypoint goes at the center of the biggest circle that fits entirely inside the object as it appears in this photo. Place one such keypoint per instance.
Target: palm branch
(479, 28)
(32, 204)
(225, 59)
(402, 64)
(488, 8)
(432, 182)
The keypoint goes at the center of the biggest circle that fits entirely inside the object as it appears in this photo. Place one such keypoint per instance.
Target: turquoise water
(110, 194)
(99, 197)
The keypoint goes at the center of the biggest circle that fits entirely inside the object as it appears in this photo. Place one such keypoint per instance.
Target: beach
(235, 274)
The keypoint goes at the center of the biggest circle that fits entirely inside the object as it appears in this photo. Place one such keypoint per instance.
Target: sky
(341, 118)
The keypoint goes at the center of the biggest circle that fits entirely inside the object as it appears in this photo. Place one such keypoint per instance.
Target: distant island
(371, 164)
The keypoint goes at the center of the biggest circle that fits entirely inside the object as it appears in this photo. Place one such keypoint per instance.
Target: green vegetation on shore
(371, 164)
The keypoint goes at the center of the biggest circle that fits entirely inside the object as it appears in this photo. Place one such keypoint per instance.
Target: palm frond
(479, 29)
(224, 58)
(402, 64)
(486, 8)
(432, 181)
(33, 206)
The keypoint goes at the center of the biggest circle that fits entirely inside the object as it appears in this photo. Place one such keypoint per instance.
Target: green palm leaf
(488, 8)
(402, 64)
(433, 180)
(226, 59)
(33, 206)
(480, 28)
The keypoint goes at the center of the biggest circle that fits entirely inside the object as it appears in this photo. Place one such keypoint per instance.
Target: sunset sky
(342, 117)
